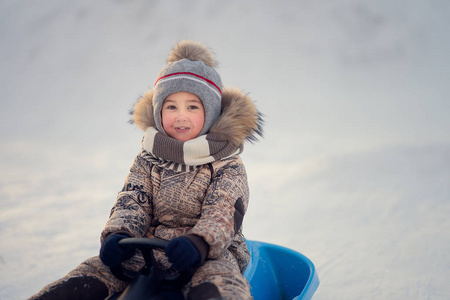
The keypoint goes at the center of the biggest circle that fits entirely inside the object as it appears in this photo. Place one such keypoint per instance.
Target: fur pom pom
(192, 50)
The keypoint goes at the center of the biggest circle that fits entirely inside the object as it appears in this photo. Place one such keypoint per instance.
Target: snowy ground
(353, 172)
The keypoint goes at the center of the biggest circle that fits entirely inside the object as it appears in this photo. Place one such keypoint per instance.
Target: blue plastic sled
(276, 272)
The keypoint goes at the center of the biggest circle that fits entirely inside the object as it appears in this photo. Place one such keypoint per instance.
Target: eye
(170, 107)
(193, 107)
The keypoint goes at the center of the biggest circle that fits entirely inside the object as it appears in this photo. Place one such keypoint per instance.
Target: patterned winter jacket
(208, 202)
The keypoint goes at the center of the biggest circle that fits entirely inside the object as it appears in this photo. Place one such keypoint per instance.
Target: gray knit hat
(190, 69)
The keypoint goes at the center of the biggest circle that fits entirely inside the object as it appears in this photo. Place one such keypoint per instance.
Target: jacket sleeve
(131, 214)
(224, 207)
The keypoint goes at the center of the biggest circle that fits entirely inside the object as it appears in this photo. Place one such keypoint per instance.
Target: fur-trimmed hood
(239, 119)
(229, 112)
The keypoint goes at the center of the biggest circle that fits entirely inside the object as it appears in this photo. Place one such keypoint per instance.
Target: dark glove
(112, 254)
(182, 253)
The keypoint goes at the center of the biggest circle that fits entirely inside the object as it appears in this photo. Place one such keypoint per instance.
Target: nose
(181, 116)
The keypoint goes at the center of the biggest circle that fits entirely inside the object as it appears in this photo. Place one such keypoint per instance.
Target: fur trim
(192, 50)
(142, 113)
(239, 121)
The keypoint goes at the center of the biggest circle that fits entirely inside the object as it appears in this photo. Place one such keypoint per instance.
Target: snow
(353, 171)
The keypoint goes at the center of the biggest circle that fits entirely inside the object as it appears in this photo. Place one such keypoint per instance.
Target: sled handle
(146, 243)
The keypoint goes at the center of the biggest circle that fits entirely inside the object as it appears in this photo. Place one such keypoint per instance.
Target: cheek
(166, 120)
(200, 120)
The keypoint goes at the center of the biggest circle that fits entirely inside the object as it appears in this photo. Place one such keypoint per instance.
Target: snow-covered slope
(357, 130)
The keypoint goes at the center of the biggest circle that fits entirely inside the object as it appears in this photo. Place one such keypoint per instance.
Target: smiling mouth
(182, 128)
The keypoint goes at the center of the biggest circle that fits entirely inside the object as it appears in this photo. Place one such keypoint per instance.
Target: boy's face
(183, 116)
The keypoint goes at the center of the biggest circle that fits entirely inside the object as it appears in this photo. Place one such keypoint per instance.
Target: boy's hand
(112, 254)
(182, 253)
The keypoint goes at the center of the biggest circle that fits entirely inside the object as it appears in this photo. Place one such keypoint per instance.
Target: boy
(188, 186)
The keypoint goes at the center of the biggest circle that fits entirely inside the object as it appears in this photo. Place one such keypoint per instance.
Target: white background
(354, 170)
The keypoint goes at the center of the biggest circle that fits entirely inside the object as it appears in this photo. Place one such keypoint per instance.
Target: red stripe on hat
(189, 73)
